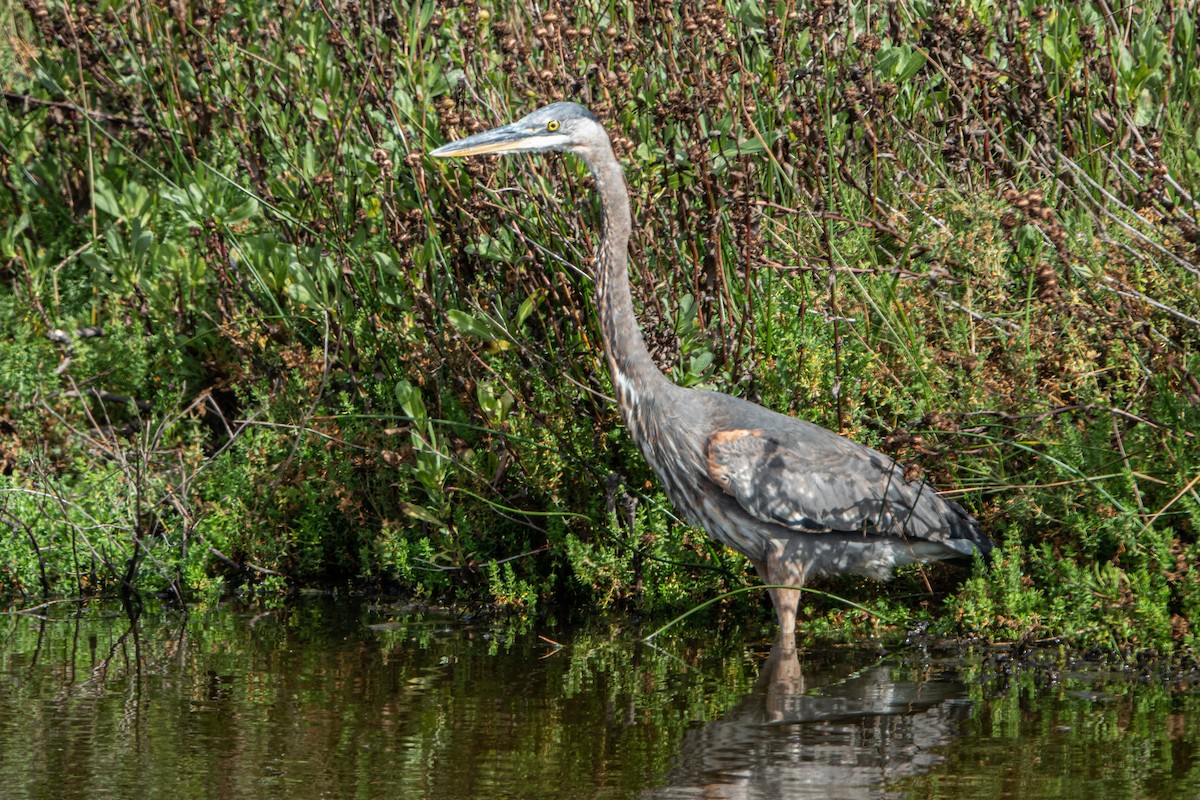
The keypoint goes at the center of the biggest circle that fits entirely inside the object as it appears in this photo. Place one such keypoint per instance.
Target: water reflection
(334, 700)
(840, 729)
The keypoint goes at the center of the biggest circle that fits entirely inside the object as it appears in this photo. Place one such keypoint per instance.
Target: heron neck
(633, 371)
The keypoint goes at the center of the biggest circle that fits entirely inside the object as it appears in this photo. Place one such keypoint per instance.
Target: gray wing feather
(831, 484)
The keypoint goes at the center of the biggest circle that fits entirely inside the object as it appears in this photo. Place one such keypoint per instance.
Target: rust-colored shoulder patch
(720, 449)
(725, 438)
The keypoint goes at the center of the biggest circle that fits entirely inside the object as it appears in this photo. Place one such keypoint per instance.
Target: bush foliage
(257, 340)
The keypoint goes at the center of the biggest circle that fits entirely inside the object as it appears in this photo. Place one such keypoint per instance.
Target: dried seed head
(868, 42)
(1047, 281)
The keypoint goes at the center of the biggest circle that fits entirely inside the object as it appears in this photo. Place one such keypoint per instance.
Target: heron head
(559, 126)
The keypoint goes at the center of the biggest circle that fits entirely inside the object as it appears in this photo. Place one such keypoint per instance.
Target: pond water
(333, 699)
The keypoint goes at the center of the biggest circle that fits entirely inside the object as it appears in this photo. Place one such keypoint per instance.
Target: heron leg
(777, 572)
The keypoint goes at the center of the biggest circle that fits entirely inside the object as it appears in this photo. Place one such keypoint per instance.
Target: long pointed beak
(506, 139)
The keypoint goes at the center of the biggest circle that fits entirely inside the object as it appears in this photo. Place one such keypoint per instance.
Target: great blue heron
(794, 498)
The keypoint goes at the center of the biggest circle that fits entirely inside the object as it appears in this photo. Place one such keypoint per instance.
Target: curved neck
(633, 371)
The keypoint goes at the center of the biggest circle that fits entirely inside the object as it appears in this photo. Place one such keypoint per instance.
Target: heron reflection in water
(794, 498)
(847, 724)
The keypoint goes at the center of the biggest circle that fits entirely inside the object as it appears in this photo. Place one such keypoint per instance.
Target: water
(332, 700)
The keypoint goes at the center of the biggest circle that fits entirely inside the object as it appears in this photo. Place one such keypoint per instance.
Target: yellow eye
(552, 125)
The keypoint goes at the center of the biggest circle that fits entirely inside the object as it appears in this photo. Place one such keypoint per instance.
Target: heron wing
(827, 484)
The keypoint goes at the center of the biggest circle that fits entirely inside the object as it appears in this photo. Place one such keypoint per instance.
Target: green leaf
(409, 398)
(303, 295)
(747, 147)
(526, 308)
(425, 515)
(1146, 109)
(8, 242)
(910, 65)
(886, 61)
(472, 326)
(136, 202)
(489, 247)
(1050, 48)
(141, 243)
(243, 212)
(700, 362)
(1185, 33)
(105, 197)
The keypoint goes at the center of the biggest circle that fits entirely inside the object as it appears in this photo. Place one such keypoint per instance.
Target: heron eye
(552, 125)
